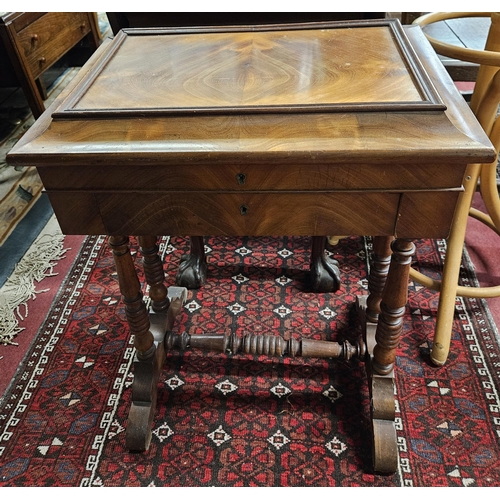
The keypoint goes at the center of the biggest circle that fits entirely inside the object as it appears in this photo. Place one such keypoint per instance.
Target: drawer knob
(241, 178)
(34, 38)
(42, 60)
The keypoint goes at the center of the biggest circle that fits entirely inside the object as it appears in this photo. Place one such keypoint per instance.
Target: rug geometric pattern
(232, 421)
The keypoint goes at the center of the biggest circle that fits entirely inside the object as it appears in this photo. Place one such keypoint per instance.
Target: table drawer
(247, 177)
(254, 214)
(49, 37)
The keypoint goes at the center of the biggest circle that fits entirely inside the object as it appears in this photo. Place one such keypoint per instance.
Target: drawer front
(24, 19)
(49, 37)
(252, 214)
(266, 177)
(407, 215)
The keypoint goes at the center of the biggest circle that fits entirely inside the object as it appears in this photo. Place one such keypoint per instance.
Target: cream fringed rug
(26, 281)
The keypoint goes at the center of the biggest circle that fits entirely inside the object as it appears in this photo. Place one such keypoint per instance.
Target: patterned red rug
(231, 421)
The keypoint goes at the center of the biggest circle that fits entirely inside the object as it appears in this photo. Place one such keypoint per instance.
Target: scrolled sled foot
(383, 413)
(138, 436)
(144, 395)
(147, 372)
(385, 449)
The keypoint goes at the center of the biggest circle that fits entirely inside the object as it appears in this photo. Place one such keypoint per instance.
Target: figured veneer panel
(335, 66)
(426, 214)
(248, 177)
(410, 215)
(77, 212)
(251, 214)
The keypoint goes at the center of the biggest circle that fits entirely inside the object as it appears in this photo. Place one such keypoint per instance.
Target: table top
(258, 131)
(341, 92)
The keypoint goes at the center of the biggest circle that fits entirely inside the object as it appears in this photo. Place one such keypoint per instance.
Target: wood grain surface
(253, 68)
(334, 66)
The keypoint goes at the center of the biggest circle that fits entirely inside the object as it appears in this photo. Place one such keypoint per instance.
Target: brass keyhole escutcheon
(241, 178)
(244, 210)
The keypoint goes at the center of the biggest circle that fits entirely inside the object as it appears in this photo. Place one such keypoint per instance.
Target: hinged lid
(327, 67)
(335, 93)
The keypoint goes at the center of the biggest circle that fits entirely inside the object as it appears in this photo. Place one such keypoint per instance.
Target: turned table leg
(148, 332)
(382, 315)
(379, 269)
(130, 288)
(392, 307)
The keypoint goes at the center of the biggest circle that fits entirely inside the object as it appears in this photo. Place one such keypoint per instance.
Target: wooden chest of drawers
(33, 41)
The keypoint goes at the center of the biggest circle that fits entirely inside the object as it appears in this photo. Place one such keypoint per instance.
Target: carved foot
(325, 275)
(382, 404)
(385, 448)
(192, 271)
(147, 373)
(144, 394)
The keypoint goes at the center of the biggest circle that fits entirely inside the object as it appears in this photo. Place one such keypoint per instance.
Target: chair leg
(489, 188)
(451, 270)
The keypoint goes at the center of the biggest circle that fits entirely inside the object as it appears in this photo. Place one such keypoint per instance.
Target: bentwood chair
(484, 103)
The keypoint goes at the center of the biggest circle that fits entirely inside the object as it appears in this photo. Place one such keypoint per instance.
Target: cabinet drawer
(406, 215)
(205, 213)
(49, 37)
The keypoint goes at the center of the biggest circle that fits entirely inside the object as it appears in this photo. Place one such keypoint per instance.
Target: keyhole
(241, 178)
(244, 210)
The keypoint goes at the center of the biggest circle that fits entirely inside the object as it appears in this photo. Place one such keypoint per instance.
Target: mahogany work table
(347, 128)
